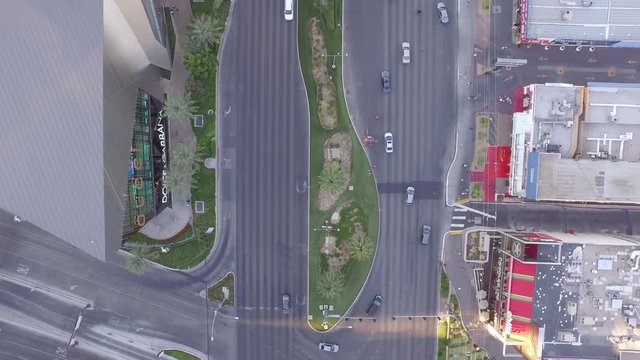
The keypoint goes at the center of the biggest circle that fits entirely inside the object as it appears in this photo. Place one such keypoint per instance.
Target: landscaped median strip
(343, 199)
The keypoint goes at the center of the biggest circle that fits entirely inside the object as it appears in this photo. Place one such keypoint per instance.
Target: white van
(288, 10)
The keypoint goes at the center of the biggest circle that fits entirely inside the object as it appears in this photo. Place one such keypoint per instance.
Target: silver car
(328, 347)
(285, 303)
(442, 13)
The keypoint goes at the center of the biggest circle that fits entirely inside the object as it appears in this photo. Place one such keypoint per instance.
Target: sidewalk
(173, 220)
(472, 92)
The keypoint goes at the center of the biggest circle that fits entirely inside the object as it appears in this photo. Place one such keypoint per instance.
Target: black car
(375, 305)
(386, 81)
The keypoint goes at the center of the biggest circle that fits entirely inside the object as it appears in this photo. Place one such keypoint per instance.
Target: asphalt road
(264, 146)
(46, 284)
(419, 111)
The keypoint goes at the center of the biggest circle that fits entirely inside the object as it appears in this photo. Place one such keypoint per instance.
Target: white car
(442, 13)
(328, 347)
(406, 53)
(388, 142)
(288, 10)
(409, 195)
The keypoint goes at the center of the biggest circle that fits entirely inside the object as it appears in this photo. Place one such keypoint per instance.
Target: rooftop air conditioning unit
(567, 15)
(613, 117)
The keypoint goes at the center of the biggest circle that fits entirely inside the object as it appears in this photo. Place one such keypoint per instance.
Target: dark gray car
(375, 305)
(426, 234)
(386, 81)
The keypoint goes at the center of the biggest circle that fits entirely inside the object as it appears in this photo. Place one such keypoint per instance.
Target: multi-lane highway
(421, 114)
(264, 149)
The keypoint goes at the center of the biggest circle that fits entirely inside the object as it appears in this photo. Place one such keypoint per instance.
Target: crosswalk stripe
(459, 217)
(459, 209)
(457, 225)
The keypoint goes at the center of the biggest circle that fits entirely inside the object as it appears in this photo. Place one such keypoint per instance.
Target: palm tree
(179, 107)
(185, 156)
(331, 285)
(333, 178)
(177, 180)
(204, 30)
(138, 263)
(361, 248)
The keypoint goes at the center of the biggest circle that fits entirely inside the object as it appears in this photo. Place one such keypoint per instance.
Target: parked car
(328, 347)
(409, 195)
(388, 142)
(288, 10)
(386, 81)
(406, 53)
(285, 303)
(442, 13)
(426, 234)
(376, 303)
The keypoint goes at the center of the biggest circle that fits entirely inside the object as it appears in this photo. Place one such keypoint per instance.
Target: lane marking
(459, 218)
(457, 226)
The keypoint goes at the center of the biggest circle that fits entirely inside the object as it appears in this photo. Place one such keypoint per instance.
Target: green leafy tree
(333, 178)
(137, 263)
(179, 107)
(331, 285)
(203, 31)
(362, 248)
(201, 63)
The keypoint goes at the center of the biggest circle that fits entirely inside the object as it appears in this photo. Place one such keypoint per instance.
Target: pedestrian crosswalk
(459, 218)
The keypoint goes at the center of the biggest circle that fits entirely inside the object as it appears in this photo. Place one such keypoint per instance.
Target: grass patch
(181, 255)
(181, 355)
(481, 143)
(456, 304)
(364, 192)
(444, 285)
(214, 293)
(486, 4)
(476, 193)
(453, 340)
(171, 34)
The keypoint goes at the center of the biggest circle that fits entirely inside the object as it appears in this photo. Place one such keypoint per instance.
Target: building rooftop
(590, 300)
(612, 111)
(587, 180)
(574, 143)
(581, 20)
(556, 108)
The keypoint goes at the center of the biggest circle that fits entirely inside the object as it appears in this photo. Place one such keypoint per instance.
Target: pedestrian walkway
(172, 220)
